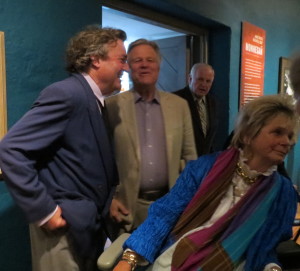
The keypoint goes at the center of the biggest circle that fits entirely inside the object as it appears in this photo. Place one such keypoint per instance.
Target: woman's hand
(122, 266)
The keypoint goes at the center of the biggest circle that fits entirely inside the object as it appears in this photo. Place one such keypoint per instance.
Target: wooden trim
(3, 112)
(147, 15)
(283, 82)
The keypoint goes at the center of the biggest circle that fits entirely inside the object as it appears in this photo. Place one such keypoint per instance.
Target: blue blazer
(59, 153)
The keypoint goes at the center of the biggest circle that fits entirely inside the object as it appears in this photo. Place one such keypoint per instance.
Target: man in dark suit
(57, 160)
(202, 106)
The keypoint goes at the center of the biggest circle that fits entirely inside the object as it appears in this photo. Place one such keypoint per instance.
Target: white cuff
(43, 221)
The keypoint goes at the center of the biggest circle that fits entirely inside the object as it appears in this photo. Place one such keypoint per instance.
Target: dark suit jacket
(204, 145)
(59, 154)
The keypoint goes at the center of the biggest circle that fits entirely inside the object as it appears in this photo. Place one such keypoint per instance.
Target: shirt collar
(253, 173)
(96, 90)
(138, 97)
(197, 99)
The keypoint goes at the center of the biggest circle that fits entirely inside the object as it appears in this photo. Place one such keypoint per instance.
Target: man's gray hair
(196, 66)
(145, 42)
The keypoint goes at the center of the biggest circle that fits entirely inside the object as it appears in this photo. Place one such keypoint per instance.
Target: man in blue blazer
(57, 159)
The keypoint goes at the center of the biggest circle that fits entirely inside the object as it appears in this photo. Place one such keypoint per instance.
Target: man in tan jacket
(153, 138)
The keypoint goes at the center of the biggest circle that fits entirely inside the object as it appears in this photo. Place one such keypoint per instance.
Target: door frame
(197, 45)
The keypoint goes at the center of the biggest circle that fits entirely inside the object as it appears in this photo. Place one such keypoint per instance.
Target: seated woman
(228, 210)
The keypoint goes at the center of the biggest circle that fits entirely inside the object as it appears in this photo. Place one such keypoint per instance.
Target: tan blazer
(178, 130)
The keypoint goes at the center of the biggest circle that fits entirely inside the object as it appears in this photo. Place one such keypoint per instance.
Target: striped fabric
(223, 245)
(203, 115)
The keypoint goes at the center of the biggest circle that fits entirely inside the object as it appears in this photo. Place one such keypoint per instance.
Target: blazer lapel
(194, 111)
(168, 114)
(128, 114)
(99, 128)
(210, 111)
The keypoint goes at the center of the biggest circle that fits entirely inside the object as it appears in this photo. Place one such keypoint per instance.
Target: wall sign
(252, 62)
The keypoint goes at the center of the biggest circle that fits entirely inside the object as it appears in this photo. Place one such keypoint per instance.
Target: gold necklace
(248, 180)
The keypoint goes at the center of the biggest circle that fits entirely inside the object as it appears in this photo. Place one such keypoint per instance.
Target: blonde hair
(258, 112)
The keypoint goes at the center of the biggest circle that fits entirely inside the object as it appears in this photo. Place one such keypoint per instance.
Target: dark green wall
(36, 33)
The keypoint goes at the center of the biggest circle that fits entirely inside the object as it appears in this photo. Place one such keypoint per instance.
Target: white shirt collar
(197, 99)
(251, 172)
(96, 90)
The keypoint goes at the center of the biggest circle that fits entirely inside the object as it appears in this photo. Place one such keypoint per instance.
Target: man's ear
(96, 61)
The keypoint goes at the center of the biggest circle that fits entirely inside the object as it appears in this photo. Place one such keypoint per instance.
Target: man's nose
(205, 84)
(286, 140)
(144, 62)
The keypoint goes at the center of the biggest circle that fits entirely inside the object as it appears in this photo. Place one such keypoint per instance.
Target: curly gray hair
(92, 41)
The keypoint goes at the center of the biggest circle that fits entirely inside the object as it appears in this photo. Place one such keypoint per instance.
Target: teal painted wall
(36, 33)
(14, 244)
